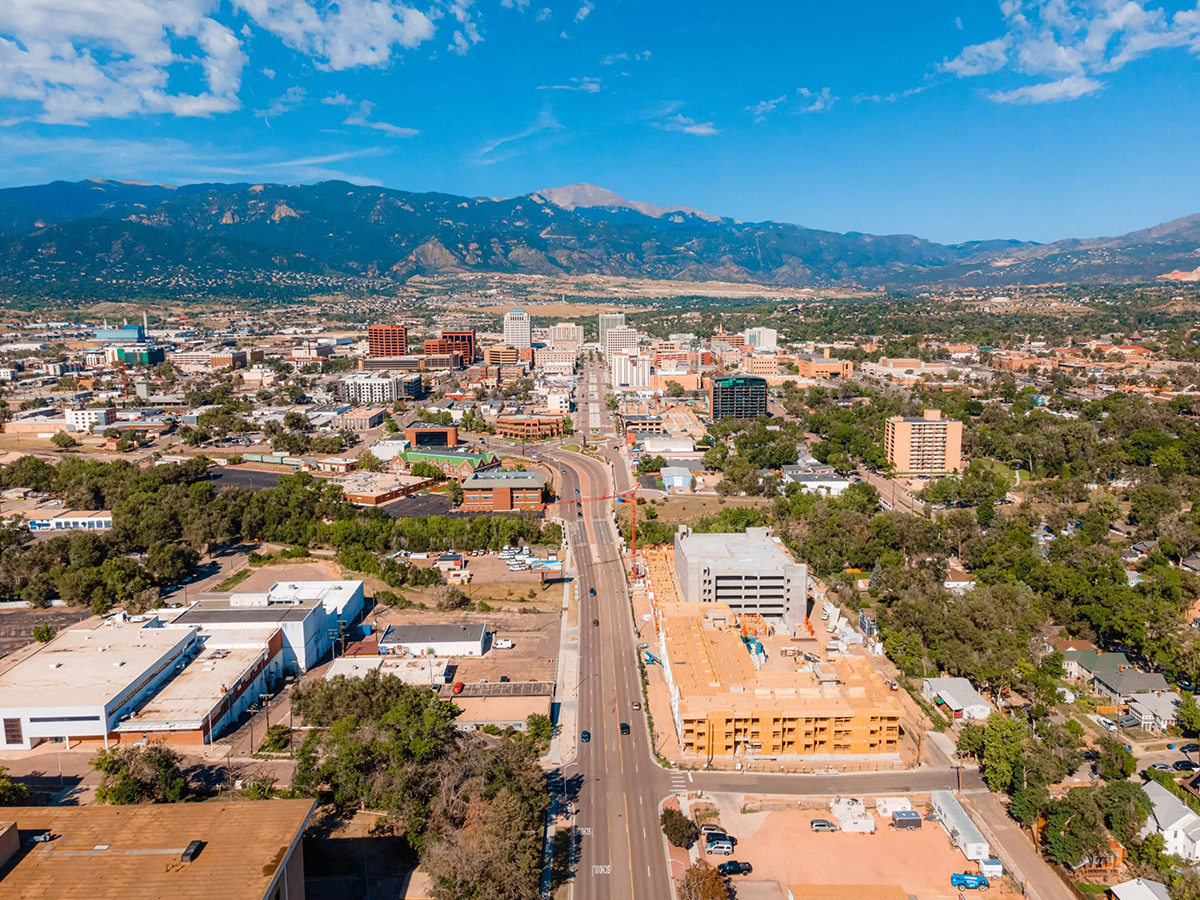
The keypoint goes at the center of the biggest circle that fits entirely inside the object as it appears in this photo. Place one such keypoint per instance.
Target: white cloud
(78, 60)
(338, 99)
(585, 10)
(1067, 45)
(687, 126)
(488, 154)
(286, 102)
(1070, 88)
(763, 108)
(522, 5)
(269, 73)
(893, 97)
(361, 118)
(821, 101)
(543, 14)
(979, 59)
(958, 23)
(625, 57)
(344, 35)
(586, 84)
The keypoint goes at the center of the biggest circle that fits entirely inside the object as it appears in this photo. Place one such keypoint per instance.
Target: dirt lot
(313, 570)
(534, 656)
(689, 507)
(344, 860)
(782, 848)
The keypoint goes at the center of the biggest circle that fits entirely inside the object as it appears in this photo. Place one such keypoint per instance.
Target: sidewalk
(562, 744)
(1009, 843)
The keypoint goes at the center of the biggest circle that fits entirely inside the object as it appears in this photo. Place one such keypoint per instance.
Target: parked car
(457, 689)
(966, 881)
(822, 825)
(504, 644)
(711, 829)
(733, 867)
(1185, 765)
(504, 679)
(1106, 723)
(624, 728)
(719, 848)
(585, 736)
(1190, 748)
(1161, 767)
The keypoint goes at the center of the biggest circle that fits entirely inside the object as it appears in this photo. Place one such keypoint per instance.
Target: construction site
(739, 686)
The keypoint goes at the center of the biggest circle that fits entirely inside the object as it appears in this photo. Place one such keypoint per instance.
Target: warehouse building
(750, 572)
(434, 640)
(85, 681)
(186, 851)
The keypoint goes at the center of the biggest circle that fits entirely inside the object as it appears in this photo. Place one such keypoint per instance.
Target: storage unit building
(958, 824)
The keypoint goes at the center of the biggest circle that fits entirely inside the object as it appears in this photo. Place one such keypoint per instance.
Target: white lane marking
(690, 778)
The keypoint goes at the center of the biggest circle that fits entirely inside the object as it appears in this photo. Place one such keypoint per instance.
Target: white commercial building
(311, 615)
(620, 339)
(629, 370)
(84, 419)
(365, 388)
(418, 672)
(751, 572)
(517, 331)
(85, 681)
(565, 336)
(434, 640)
(762, 338)
(607, 321)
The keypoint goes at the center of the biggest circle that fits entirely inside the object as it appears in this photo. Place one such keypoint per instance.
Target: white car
(1106, 723)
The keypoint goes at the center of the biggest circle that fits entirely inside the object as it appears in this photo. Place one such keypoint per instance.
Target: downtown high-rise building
(518, 332)
(607, 321)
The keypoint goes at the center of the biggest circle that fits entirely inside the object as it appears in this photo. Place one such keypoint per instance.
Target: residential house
(1091, 663)
(1140, 889)
(1170, 817)
(1121, 686)
(958, 581)
(1157, 711)
(957, 695)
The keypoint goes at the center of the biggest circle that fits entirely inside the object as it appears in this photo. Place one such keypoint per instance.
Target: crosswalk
(679, 783)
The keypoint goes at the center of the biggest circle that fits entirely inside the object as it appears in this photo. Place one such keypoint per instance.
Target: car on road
(591, 592)
(966, 881)
(585, 736)
(1185, 765)
(1161, 767)
(1190, 748)
(822, 825)
(624, 728)
(637, 705)
(595, 621)
(457, 689)
(733, 867)
(577, 490)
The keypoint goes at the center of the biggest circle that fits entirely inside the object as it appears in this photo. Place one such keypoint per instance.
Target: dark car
(503, 679)
(1185, 765)
(733, 867)
(624, 728)
(591, 592)
(577, 490)
(595, 621)
(585, 736)
(1190, 748)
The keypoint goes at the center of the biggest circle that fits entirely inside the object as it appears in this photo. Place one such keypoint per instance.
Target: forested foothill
(167, 517)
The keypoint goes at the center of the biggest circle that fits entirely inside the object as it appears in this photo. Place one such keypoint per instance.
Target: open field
(689, 507)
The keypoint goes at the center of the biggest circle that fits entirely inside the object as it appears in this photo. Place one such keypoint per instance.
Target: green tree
(44, 633)
(137, 774)
(1074, 827)
(674, 389)
(63, 441)
(12, 793)
(1003, 746)
(1188, 715)
(1115, 763)
(679, 829)
(540, 728)
(455, 492)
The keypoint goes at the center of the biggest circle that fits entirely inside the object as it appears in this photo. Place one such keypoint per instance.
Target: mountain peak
(586, 196)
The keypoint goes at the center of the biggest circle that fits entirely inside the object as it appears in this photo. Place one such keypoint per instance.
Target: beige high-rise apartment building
(929, 445)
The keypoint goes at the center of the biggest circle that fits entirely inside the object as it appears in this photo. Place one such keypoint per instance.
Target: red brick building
(502, 490)
(529, 427)
(387, 340)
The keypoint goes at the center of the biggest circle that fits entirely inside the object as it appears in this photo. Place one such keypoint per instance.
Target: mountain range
(74, 235)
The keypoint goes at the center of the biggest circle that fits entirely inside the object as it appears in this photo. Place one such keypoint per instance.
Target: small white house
(956, 694)
(676, 478)
(1157, 710)
(1170, 817)
(1140, 889)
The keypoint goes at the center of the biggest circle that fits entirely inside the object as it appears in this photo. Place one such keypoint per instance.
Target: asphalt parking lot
(254, 479)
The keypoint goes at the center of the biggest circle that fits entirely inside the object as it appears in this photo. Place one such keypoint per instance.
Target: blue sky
(1034, 119)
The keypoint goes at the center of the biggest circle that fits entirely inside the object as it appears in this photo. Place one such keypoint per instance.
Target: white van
(503, 644)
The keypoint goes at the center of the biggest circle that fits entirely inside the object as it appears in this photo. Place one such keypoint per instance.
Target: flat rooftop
(215, 611)
(133, 852)
(424, 670)
(417, 634)
(755, 550)
(196, 691)
(88, 667)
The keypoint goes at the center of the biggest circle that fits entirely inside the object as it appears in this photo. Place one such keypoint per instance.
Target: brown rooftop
(133, 852)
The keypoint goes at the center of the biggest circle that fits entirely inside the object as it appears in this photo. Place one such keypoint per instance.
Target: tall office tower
(607, 321)
(566, 335)
(620, 339)
(765, 339)
(460, 342)
(517, 330)
(929, 445)
(387, 340)
(737, 398)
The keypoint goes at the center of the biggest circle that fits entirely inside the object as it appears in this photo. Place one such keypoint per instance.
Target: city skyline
(1015, 120)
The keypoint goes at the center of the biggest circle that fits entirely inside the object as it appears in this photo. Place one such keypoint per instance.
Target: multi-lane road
(612, 783)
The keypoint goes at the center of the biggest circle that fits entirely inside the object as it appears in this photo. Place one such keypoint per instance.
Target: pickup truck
(965, 881)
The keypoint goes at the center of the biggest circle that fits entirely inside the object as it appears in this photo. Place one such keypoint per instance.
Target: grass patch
(233, 580)
(574, 448)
